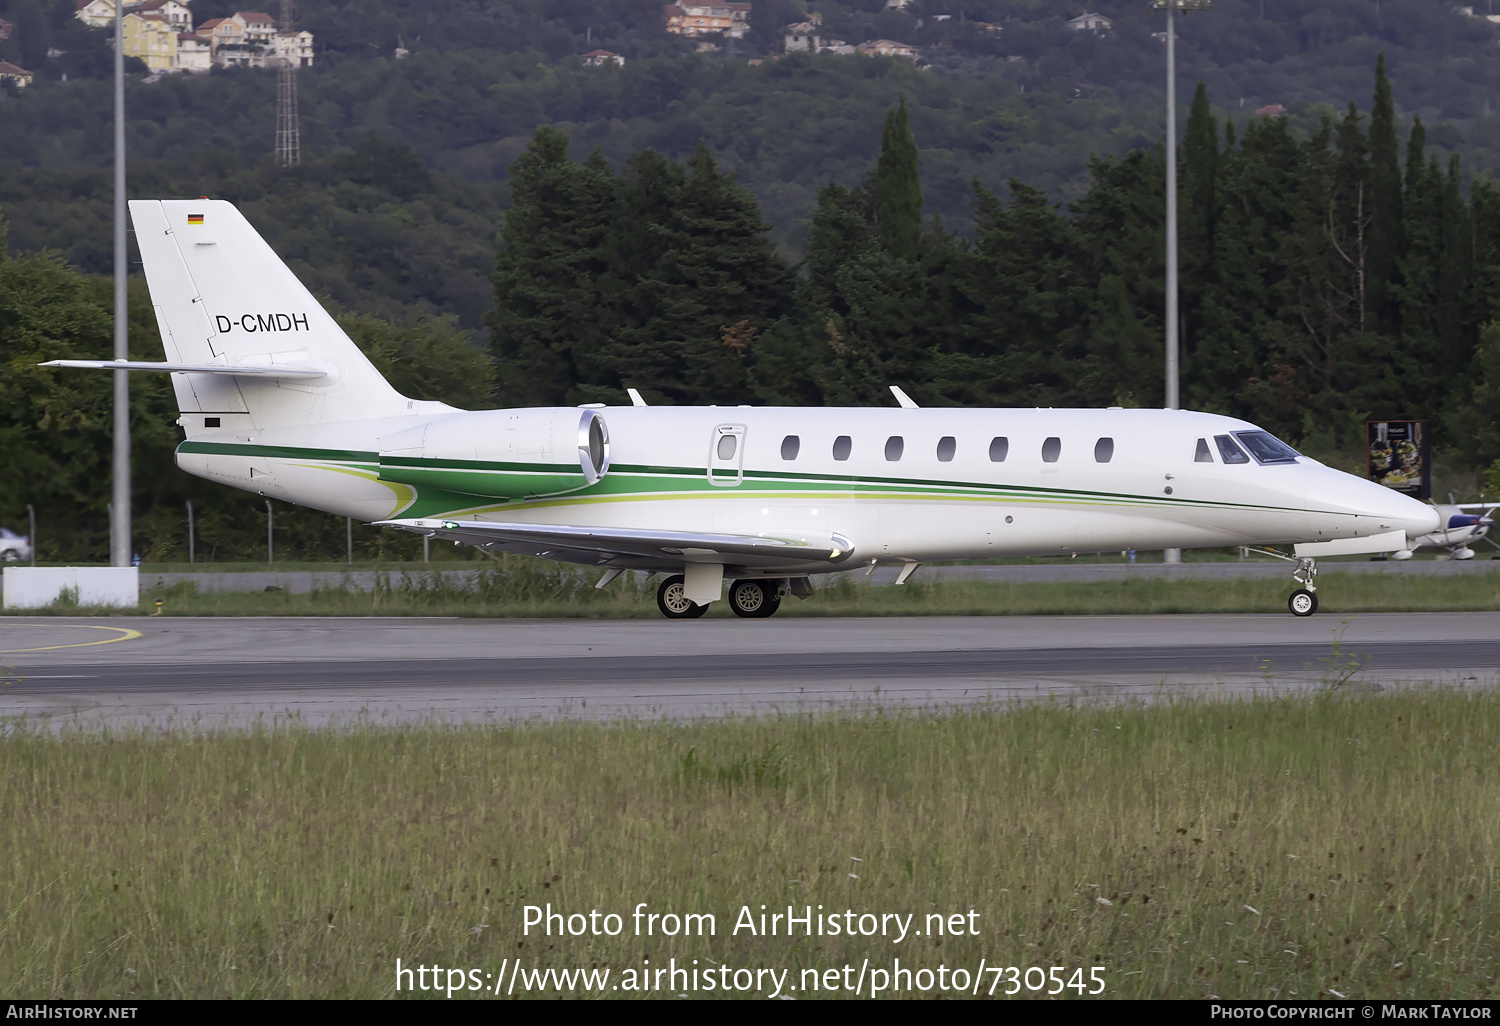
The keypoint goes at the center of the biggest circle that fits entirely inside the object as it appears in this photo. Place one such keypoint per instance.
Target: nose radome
(1390, 508)
(1418, 517)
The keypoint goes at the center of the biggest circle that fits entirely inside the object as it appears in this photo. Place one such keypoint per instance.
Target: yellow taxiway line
(125, 635)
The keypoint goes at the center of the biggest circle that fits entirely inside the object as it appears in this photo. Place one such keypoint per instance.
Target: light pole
(1173, 395)
(119, 549)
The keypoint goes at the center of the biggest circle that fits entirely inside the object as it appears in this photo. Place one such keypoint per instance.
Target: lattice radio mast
(288, 129)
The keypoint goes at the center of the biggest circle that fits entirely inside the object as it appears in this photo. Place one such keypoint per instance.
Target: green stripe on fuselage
(450, 486)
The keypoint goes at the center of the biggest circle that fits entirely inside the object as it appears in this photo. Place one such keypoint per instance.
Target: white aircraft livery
(275, 399)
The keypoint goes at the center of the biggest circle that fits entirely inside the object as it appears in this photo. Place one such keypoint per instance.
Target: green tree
(898, 188)
(426, 358)
(1386, 241)
(549, 318)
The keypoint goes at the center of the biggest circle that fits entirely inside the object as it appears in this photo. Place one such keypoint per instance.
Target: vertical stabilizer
(223, 297)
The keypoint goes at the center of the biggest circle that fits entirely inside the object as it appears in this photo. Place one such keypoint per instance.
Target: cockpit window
(1266, 448)
(1228, 451)
(1202, 455)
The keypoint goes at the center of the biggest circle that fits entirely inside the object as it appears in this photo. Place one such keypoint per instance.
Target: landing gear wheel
(672, 600)
(753, 599)
(1303, 602)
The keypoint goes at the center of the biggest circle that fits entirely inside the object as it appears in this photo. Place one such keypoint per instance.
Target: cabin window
(1229, 452)
(999, 449)
(1104, 450)
(894, 446)
(1202, 455)
(1051, 449)
(789, 446)
(209, 422)
(841, 446)
(726, 446)
(947, 446)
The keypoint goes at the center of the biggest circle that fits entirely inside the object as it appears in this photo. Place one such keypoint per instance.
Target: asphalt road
(215, 672)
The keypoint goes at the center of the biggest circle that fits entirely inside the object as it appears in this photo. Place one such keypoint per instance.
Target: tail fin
(223, 298)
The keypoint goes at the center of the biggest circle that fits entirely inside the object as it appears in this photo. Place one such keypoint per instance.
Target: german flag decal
(195, 219)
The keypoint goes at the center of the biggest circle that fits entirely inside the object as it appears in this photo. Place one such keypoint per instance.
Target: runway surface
(216, 672)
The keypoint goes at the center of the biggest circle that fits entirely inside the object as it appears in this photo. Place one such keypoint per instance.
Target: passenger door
(726, 455)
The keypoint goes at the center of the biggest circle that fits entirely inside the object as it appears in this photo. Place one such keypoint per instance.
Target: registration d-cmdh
(276, 399)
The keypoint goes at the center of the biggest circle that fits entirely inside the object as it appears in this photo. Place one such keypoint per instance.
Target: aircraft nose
(1390, 509)
(1417, 517)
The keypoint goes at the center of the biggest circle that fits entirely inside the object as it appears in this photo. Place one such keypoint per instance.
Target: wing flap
(655, 546)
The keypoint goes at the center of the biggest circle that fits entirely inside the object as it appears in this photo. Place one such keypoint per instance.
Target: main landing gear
(754, 600)
(672, 600)
(750, 598)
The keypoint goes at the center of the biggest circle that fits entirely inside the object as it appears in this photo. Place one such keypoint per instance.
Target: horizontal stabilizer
(244, 370)
(674, 547)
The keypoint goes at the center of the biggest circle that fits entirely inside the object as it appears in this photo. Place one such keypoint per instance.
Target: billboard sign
(1399, 456)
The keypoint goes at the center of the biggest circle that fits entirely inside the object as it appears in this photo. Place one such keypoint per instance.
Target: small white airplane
(275, 399)
(1458, 530)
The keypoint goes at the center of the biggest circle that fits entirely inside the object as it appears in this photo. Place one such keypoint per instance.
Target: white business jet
(276, 400)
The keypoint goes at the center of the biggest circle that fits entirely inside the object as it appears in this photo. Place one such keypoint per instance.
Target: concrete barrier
(32, 587)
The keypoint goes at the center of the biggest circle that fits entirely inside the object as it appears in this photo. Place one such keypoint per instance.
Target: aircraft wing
(607, 545)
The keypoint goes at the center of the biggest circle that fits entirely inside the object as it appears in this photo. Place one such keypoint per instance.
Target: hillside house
(887, 48)
(175, 11)
(19, 77)
(6, 28)
(153, 39)
(294, 48)
(598, 58)
(802, 36)
(729, 20)
(95, 13)
(1095, 23)
(194, 53)
(260, 28)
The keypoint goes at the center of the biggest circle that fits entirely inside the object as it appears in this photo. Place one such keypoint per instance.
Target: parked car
(13, 547)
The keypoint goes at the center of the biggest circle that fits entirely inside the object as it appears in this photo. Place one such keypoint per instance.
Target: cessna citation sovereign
(275, 399)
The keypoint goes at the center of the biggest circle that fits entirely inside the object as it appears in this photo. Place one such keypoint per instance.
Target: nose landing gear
(1304, 600)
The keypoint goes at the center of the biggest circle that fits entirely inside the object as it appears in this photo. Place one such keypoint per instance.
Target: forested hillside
(1033, 102)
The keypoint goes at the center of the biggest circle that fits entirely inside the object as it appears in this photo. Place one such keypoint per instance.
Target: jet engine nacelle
(501, 454)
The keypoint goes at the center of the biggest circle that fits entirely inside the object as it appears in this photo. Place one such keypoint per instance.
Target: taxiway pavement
(232, 672)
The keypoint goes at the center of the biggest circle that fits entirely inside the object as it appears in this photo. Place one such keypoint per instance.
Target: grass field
(1251, 848)
(522, 587)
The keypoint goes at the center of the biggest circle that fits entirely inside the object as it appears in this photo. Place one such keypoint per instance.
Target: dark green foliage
(658, 279)
(898, 191)
(1386, 239)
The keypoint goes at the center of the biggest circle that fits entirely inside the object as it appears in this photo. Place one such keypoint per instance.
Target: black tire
(1303, 602)
(10, 556)
(750, 599)
(674, 605)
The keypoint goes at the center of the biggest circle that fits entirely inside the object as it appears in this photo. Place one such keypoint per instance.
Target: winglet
(635, 397)
(903, 399)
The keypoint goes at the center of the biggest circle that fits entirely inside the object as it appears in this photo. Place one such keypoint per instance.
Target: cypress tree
(898, 190)
(1385, 204)
(1416, 146)
(1201, 150)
